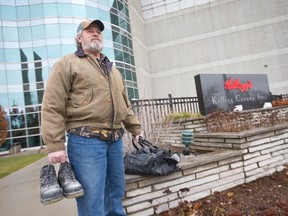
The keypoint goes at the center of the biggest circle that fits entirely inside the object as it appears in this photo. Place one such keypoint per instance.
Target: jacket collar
(80, 53)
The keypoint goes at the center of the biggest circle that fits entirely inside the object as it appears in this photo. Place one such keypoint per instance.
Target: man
(85, 96)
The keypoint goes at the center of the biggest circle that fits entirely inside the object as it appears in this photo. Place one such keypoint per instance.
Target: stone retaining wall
(237, 158)
(170, 133)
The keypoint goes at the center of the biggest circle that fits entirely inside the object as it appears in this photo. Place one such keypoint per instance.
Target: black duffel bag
(149, 160)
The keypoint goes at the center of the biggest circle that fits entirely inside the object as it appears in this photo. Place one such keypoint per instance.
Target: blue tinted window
(14, 77)
(31, 76)
(120, 6)
(126, 57)
(67, 30)
(92, 13)
(38, 32)
(12, 55)
(25, 34)
(132, 60)
(124, 40)
(50, 10)
(34, 97)
(65, 10)
(106, 2)
(112, 2)
(54, 51)
(16, 98)
(4, 99)
(114, 19)
(118, 55)
(41, 52)
(52, 30)
(105, 16)
(34, 141)
(136, 93)
(122, 23)
(36, 11)
(28, 54)
(2, 55)
(8, 12)
(134, 77)
(128, 75)
(23, 12)
(116, 37)
(109, 52)
(10, 34)
(108, 35)
(130, 92)
(1, 35)
(130, 43)
(3, 78)
(33, 120)
(79, 11)
(45, 73)
(67, 49)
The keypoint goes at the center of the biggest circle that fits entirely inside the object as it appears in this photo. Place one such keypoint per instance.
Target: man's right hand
(57, 157)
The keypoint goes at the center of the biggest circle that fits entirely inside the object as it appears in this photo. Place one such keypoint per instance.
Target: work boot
(50, 190)
(70, 186)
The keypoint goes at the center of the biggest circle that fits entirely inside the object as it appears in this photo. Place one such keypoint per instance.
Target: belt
(101, 133)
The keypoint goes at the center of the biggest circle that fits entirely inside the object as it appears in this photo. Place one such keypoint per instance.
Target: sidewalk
(20, 195)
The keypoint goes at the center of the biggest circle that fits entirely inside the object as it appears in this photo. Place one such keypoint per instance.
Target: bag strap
(142, 142)
(135, 146)
(146, 143)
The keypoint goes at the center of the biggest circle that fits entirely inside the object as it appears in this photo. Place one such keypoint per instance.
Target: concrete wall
(222, 36)
(141, 53)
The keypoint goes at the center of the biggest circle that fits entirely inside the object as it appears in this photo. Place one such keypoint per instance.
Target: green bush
(181, 115)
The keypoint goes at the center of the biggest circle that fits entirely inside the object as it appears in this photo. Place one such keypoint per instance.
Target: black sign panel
(223, 92)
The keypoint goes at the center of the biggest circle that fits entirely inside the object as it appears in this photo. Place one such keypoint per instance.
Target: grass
(9, 165)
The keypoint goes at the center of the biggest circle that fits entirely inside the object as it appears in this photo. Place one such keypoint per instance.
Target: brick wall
(236, 158)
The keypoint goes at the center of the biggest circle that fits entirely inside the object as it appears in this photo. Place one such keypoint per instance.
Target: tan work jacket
(79, 93)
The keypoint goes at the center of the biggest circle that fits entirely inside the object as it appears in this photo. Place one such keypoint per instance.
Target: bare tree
(3, 126)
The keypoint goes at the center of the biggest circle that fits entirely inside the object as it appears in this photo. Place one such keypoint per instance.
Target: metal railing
(152, 111)
(279, 97)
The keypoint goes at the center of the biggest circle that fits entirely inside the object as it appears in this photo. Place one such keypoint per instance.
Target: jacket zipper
(106, 74)
(113, 108)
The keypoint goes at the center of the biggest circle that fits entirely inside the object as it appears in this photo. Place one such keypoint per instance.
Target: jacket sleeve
(131, 123)
(53, 108)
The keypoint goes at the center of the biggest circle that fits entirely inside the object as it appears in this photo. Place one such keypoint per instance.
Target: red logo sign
(235, 84)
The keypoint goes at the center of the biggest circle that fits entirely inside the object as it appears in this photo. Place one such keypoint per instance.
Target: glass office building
(34, 34)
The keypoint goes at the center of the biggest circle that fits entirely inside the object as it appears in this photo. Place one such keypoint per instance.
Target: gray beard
(94, 46)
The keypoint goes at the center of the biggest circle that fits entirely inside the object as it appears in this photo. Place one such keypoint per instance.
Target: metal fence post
(170, 102)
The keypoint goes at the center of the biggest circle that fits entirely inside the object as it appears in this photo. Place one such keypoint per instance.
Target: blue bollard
(187, 140)
(187, 137)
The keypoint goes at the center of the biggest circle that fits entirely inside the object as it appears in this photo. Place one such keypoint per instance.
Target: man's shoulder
(69, 56)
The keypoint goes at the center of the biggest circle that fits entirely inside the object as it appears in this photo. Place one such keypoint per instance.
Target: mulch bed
(267, 196)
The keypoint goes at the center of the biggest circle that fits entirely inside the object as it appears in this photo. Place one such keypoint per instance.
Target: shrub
(3, 126)
(181, 115)
(281, 102)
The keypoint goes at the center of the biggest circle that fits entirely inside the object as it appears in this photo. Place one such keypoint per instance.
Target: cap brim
(98, 23)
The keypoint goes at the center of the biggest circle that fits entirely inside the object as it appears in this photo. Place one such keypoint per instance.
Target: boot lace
(69, 173)
(49, 177)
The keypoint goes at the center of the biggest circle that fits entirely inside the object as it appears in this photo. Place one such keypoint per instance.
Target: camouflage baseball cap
(84, 24)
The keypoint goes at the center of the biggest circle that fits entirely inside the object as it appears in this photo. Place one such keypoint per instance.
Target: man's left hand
(137, 137)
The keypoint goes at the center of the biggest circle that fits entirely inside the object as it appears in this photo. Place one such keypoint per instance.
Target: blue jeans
(99, 167)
